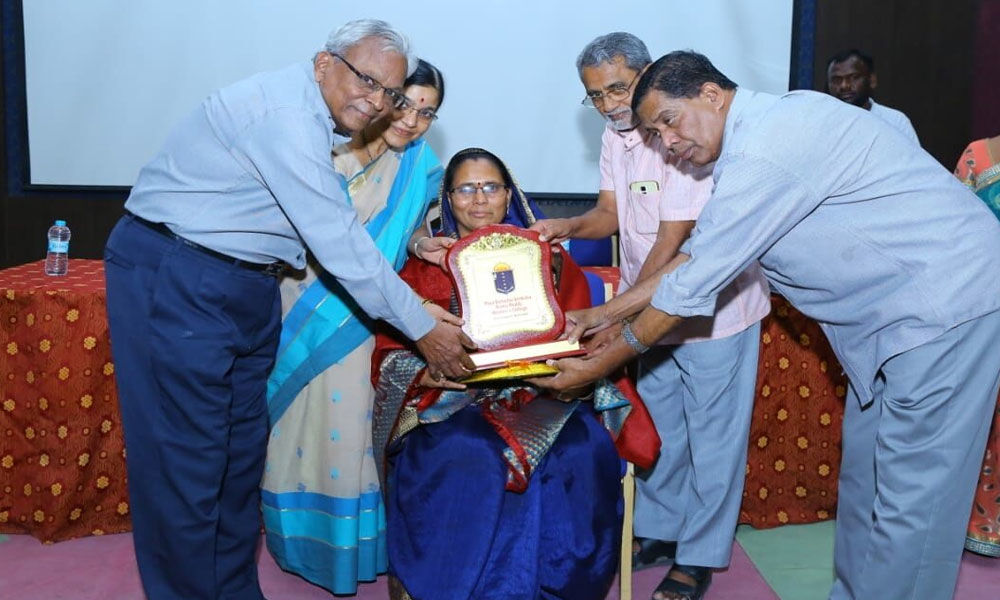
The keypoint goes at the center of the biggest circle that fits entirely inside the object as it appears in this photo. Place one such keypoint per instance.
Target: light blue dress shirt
(857, 226)
(896, 118)
(249, 174)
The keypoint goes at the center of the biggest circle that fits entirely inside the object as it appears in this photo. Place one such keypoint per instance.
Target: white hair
(352, 32)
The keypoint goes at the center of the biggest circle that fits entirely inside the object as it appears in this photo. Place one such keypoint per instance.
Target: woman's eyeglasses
(468, 190)
(372, 85)
(425, 114)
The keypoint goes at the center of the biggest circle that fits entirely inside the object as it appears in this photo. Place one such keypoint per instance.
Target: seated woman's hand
(434, 249)
(427, 380)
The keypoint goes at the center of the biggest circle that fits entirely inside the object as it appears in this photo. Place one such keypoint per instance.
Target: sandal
(701, 575)
(652, 553)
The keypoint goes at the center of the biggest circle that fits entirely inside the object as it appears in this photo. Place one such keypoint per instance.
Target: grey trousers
(910, 464)
(700, 396)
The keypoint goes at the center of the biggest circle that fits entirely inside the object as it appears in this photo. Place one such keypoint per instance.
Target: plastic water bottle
(57, 259)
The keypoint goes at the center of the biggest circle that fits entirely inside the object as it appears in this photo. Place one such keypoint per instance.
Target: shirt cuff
(674, 300)
(415, 324)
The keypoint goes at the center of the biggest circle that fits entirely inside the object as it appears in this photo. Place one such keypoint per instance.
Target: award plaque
(503, 275)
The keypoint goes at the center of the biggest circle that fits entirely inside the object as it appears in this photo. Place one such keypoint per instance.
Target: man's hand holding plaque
(503, 275)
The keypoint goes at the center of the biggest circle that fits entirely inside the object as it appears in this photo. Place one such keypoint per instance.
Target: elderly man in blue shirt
(866, 233)
(241, 187)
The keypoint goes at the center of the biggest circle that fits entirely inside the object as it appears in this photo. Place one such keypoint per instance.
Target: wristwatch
(633, 342)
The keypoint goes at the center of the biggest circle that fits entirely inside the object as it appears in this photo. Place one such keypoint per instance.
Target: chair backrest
(598, 294)
(603, 282)
(592, 253)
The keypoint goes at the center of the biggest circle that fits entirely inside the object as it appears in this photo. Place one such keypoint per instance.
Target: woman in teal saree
(321, 501)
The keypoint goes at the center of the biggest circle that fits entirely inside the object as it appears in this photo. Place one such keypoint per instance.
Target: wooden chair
(625, 563)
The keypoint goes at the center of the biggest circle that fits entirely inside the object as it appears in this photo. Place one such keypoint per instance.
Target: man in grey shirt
(850, 76)
(867, 234)
(242, 186)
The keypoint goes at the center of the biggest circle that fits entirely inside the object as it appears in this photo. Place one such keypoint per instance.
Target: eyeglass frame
(407, 106)
(590, 101)
(478, 188)
(396, 96)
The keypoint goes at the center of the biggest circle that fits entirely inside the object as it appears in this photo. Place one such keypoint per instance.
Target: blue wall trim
(15, 111)
(800, 76)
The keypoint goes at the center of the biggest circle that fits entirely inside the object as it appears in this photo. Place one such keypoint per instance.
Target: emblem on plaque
(503, 278)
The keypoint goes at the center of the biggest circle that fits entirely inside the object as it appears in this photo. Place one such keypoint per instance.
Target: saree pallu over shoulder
(325, 324)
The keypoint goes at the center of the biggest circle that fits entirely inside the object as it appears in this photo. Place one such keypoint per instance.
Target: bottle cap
(60, 223)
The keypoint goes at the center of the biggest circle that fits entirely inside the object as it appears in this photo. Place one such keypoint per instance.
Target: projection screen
(107, 79)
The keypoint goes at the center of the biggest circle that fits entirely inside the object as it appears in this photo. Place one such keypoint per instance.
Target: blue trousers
(193, 339)
(909, 466)
(700, 396)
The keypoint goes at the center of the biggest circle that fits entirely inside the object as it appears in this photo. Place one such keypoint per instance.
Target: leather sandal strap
(699, 574)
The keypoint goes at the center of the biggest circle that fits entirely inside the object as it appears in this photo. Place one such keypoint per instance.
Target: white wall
(107, 79)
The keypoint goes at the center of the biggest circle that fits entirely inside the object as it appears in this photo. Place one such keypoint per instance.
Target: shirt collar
(631, 138)
(741, 99)
(318, 104)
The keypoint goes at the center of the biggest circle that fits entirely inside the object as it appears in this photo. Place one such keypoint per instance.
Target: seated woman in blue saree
(499, 490)
(321, 500)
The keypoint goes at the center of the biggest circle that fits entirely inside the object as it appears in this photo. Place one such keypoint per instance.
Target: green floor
(795, 560)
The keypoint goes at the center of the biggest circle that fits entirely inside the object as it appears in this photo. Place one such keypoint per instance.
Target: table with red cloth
(62, 465)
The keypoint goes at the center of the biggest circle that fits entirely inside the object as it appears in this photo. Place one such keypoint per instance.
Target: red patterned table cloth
(62, 467)
(793, 458)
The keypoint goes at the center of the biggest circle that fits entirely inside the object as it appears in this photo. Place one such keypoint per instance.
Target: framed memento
(503, 275)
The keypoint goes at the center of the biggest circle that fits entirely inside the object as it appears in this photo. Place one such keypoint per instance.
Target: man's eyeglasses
(372, 86)
(425, 114)
(468, 190)
(616, 92)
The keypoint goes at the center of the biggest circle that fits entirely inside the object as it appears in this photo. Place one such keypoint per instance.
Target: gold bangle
(426, 302)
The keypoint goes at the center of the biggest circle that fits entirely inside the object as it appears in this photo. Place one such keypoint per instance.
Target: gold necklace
(371, 157)
(368, 153)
